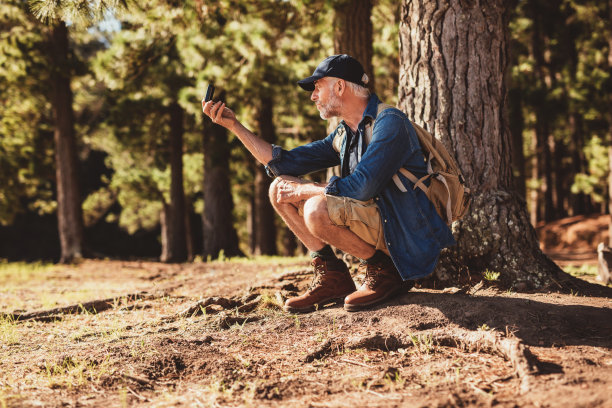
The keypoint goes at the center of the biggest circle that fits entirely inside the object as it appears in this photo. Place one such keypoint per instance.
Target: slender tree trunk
(218, 219)
(163, 223)
(542, 111)
(265, 230)
(535, 193)
(353, 33)
(454, 58)
(353, 36)
(251, 219)
(578, 201)
(188, 230)
(176, 234)
(69, 211)
(561, 180)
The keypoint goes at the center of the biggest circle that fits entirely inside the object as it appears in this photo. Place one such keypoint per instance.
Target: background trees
(137, 164)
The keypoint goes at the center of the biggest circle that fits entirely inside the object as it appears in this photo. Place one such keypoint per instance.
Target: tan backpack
(447, 190)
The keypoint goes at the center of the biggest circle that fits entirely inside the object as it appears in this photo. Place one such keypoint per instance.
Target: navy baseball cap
(340, 66)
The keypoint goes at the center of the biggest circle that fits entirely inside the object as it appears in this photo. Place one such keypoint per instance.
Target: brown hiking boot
(381, 283)
(331, 283)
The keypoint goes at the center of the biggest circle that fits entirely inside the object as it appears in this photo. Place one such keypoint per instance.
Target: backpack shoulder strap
(370, 126)
(339, 138)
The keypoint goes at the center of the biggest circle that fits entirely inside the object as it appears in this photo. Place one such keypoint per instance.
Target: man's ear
(340, 87)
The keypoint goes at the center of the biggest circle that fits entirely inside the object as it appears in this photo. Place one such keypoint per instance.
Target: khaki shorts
(361, 217)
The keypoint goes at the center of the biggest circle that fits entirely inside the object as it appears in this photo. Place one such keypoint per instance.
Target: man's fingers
(213, 110)
(208, 107)
(219, 112)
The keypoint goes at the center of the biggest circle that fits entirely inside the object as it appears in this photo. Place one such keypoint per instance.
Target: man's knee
(316, 217)
(273, 190)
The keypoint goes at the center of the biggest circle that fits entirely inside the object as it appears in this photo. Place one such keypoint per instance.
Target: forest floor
(213, 335)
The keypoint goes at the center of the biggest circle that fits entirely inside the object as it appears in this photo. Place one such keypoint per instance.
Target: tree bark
(264, 228)
(69, 211)
(610, 121)
(218, 219)
(454, 59)
(176, 234)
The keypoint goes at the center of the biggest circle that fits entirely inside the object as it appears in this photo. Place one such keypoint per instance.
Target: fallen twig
(139, 380)
(346, 360)
(140, 397)
(322, 350)
(203, 306)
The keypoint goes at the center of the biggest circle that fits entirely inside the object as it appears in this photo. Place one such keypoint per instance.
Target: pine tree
(453, 66)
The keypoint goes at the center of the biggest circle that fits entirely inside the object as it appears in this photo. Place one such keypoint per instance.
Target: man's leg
(382, 280)
(332, 280)
(289, 213)
(316, 219)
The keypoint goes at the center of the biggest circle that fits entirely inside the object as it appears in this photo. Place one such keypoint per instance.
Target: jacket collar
(371, 109)
(369, 114)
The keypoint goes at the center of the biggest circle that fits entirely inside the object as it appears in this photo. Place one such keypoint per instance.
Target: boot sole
(316, 306)
(362, 306)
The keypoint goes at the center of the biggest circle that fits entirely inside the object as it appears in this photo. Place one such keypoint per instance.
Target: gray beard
(332, 109)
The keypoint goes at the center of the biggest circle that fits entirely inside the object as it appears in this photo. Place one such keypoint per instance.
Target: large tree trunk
(176, 234)
(610, 123)
(264, 228)
(69, 211)
(454, 57)
(218, 218)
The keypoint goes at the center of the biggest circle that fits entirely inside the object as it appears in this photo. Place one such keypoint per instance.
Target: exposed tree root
(207, 306)
(511, 349)
(226, 322)
(94, 306)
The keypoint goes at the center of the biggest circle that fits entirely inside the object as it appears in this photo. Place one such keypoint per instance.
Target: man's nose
(314, 95)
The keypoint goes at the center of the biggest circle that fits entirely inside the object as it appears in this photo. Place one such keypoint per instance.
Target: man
(398, 234)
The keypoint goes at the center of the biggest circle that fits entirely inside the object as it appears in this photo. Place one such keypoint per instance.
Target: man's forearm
(258, 147)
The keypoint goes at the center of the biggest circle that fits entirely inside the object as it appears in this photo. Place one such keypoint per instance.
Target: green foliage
(491, 276)
(25, 129)
(79, 13)
(594, 183)
(562, 76)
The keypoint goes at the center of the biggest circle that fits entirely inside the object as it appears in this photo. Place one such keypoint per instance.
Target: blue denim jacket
(413, 230)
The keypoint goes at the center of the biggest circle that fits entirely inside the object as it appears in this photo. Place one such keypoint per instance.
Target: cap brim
(307, 84)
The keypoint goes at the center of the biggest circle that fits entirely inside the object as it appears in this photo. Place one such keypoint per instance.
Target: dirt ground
(213, 335)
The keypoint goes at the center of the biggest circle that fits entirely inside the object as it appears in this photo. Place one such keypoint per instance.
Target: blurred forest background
(105, 151)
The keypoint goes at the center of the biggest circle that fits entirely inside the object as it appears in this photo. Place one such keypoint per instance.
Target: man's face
(325, 97)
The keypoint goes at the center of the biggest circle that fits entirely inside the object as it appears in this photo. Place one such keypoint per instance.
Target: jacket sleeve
(394, 142)
(302, 160)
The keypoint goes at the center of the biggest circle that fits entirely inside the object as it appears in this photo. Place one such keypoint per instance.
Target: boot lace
(317, 279)
(372, 275)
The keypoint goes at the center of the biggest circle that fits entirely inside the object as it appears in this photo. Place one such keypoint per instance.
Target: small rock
(521, 286)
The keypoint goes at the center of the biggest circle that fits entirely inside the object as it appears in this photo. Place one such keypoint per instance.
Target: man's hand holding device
(217, 111)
